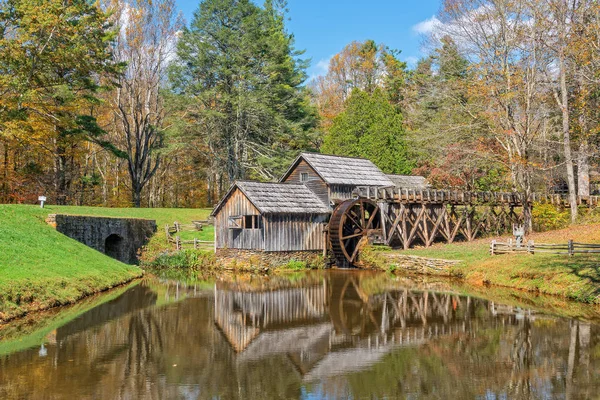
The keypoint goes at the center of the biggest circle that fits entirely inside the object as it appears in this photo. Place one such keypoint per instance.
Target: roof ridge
(336, 155)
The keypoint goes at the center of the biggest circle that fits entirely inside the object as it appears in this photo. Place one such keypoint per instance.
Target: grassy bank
(576, 278)
(41, 268)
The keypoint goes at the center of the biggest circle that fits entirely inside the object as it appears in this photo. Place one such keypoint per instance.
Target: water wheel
(349, 227)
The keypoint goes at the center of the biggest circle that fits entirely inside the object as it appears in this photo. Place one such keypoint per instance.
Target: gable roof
(273, 198)
(343, 170)
(409, 181)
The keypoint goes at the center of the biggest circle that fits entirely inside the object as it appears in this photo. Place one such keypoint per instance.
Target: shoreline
(67, 302)
(575, 278)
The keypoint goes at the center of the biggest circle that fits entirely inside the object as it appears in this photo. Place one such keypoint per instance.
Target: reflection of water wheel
(349, 226)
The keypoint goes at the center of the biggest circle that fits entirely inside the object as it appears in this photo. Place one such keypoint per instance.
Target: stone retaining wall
(421, 265)
(269, 259)
(120, 238)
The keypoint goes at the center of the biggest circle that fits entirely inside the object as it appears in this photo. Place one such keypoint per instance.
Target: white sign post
(42, 199)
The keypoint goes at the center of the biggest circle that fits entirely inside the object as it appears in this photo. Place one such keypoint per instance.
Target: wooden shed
(270, 217)
(334, 178)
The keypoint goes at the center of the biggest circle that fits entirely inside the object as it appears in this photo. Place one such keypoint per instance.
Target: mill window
(251, 221)
(303, 176)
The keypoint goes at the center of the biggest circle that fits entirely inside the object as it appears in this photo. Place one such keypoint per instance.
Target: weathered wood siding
(314, 183)
(341, 192)
(294, 232)
(250, 239)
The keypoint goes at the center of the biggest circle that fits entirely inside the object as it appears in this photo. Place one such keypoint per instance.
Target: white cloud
(322, 66)
(428, 26)
(412, 61)
(320, 69)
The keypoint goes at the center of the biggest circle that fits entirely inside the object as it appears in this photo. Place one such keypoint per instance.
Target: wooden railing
(462, 197)
(569, 248)
(172, 236)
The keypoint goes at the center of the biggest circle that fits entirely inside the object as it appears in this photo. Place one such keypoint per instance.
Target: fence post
(176, 226)
(178, 242)
(571, 247)
(492, 247)
(530, 247)
(195, 243)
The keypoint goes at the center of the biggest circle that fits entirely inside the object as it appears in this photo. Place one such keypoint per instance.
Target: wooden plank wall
(341, 192)
(314, 183)
(249, 239)
(294, 232)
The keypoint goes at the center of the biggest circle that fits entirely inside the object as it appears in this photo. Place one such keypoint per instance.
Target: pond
(320, 335)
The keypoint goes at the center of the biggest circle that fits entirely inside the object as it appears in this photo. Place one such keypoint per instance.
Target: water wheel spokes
(350, 225)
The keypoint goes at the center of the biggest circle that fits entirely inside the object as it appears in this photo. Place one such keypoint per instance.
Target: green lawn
(576, 277)
(41, 268)
(162, 216)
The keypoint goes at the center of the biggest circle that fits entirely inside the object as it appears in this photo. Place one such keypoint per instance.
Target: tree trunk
(564, 105)
(583, 169)
(136, 196)
(60, 175)
(5, 188)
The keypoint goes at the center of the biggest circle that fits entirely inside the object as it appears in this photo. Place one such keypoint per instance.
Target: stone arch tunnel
(119, 238)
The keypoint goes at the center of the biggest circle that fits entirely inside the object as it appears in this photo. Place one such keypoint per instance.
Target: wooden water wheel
(349, 227)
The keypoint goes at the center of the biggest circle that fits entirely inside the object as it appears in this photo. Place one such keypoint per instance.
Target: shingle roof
(345, 170)
(409, 181)
(273, 198)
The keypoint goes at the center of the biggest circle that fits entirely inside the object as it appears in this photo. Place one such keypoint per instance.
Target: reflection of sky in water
(322, 336)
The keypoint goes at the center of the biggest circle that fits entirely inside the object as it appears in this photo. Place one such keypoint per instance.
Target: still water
(326, 335)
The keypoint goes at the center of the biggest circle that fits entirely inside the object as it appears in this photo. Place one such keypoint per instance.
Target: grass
(576, 277)
(41, 268)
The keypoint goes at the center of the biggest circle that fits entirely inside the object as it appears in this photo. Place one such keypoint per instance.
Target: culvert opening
(113, 246)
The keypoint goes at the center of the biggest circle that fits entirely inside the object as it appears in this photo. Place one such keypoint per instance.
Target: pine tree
(370, 127)
(242, 79)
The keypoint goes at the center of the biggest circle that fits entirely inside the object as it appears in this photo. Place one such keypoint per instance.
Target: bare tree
(560, 16)
(502, 40)
(147, 35)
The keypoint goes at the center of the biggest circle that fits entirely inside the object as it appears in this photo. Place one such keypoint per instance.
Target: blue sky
(323, 28)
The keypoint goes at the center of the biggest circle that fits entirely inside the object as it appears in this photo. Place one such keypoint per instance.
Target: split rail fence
(172, 235)
(570, 248)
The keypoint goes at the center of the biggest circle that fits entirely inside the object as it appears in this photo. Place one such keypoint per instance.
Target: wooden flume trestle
(402, 218)
(457, 197)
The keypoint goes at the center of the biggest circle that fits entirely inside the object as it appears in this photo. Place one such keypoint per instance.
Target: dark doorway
(114, 246)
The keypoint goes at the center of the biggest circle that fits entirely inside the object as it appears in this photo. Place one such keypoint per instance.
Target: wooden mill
(338, 204)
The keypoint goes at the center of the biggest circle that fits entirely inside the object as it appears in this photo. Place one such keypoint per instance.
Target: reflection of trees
(521, 356)
(144, 356)
(578, 364)
(432, 345)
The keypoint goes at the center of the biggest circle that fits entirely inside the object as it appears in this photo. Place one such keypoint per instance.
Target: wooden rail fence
(570, 248)
(172, 235)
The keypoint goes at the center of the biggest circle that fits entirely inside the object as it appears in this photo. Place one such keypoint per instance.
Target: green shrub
(296, 265)
(547, 217)
(184, 259)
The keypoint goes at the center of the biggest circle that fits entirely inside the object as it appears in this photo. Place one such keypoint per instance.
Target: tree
(242, 83)
(444, 123)
(503, 40)
(370, 127)
(360, 65)
(561, 16)
(147, 34)
(49, 62)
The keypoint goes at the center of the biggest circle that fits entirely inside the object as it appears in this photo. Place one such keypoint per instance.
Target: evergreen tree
(241, 77)
(370, 127)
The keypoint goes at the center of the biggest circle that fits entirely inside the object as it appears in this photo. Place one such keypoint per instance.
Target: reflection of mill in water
(333, 326)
